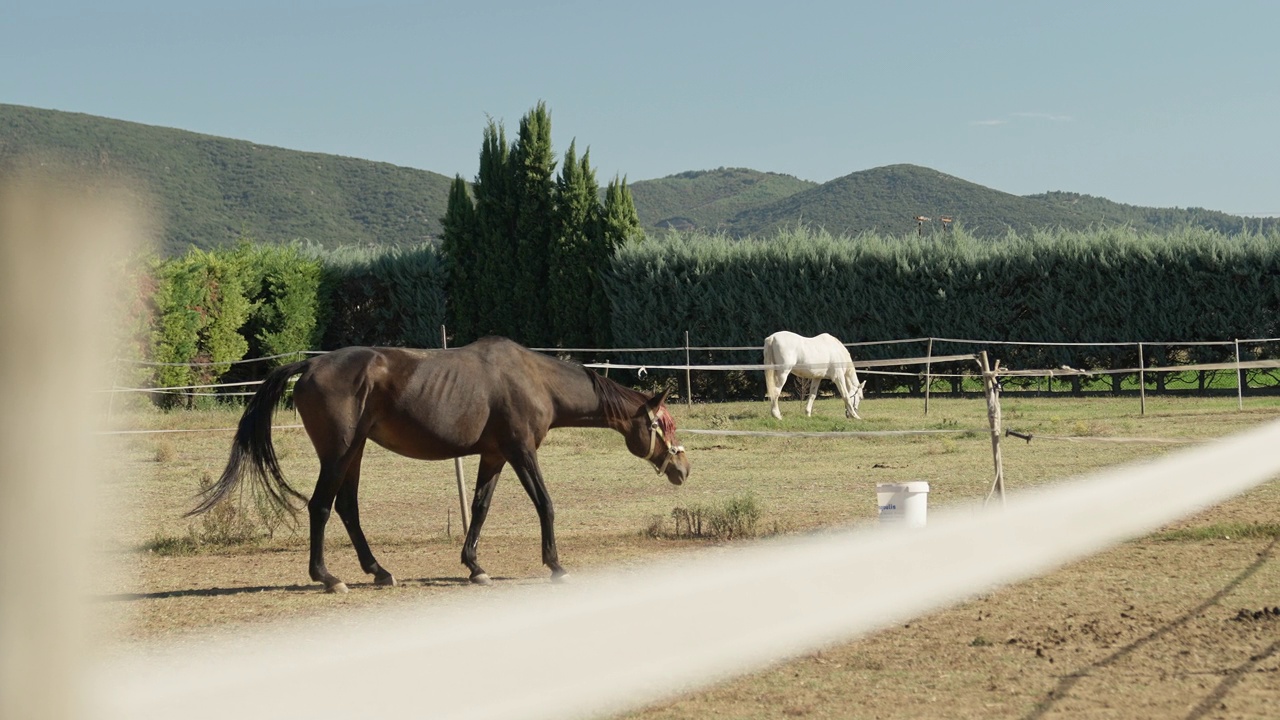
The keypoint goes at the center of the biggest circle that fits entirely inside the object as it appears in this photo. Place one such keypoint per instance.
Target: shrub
(736, 518)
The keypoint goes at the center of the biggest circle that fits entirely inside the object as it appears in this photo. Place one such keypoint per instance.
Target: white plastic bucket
(903, 504)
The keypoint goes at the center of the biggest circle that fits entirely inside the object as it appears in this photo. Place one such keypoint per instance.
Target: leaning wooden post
(463, 510)
(991, 387)
(1239, 379)
(688, 381)
(1142, 382)
(928, 364)
(115, 382)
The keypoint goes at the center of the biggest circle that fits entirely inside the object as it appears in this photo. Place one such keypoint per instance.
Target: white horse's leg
(773, 399)
(809, 387)
(853, 386)
(846, 392)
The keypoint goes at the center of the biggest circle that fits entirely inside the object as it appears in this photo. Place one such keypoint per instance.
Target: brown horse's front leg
(531, 479)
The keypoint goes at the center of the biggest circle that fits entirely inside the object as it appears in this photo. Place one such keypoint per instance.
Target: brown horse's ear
(655, 402)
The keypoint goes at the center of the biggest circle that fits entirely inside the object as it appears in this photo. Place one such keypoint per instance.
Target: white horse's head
(855, 399)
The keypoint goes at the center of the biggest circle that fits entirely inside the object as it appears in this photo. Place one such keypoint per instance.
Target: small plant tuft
(169, 545)
(164, 452)
(736, 518)
(235, 521)
(657, 527)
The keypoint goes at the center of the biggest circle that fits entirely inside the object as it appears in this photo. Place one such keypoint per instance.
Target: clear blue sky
(1150, 103)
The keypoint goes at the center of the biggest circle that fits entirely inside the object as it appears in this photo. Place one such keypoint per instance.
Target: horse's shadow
(459, 581)
(1232, 676)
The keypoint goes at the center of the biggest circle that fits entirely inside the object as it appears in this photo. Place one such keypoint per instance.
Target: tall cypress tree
(460, 247)
(496, 234)
(532, 166)
(525, 259)
(621, 222)
(571, 270)
(619, 225)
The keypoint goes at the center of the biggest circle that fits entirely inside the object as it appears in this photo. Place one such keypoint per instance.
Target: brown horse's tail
(771, 388)
(253, 443)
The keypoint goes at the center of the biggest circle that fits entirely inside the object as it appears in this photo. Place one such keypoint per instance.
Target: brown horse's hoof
(386, 579)
(338, 588)
(481, 579)
(561, 577)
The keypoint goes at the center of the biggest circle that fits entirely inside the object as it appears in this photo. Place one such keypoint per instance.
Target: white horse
(810, 359)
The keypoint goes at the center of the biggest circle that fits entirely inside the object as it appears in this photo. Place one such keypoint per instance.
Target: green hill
(211, 190)
(708, 199)
(1157, 218)
(888, 199)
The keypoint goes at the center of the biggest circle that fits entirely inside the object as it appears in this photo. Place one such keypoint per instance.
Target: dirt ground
(1166, 626)
(1149, 630)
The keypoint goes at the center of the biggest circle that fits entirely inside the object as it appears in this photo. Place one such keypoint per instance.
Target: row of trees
(1105, 286)
(525, 256)
(199, 313)
(190, 318)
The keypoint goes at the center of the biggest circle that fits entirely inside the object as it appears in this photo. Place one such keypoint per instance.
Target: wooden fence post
(928, 365)
(688, 380)
(1142, 382)
(115, 382)
(464, 511)
(1240, 378)
(991, 386)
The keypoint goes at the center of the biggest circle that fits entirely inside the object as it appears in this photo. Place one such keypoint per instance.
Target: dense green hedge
(1060, 287)
(1056, 287)
(206, 310)
(375, 296)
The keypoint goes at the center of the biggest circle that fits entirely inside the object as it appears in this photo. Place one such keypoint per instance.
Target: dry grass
(987, 657)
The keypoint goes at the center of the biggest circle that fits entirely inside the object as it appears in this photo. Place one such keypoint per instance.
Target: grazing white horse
(810, 359)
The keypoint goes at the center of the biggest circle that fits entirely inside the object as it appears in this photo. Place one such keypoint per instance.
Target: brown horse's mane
(620, 402)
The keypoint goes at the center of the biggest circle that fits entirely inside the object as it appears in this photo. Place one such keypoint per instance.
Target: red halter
(672, 450)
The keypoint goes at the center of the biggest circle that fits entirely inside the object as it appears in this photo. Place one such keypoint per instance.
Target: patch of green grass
(734, 518)
(1221, 531)
(170, 545)
(946, 446)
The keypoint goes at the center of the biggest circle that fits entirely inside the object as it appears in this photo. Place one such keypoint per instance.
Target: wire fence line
(760, 348)
(868, 366)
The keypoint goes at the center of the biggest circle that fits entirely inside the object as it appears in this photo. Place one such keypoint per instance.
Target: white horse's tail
(771, 388)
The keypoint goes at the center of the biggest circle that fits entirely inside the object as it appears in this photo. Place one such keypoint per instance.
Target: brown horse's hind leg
(319, 507)
(332, 472)
(486, 481)
(348, 507)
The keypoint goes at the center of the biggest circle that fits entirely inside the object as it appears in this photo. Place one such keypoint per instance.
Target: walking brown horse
(492, 398)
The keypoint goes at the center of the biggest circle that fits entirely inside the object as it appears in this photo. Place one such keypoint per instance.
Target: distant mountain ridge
(706, 199)
(888, 200)
(211, 190)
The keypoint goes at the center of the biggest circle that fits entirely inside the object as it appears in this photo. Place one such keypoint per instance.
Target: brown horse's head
(651, 434)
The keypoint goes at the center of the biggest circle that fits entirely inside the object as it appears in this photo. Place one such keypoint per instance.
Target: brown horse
(492, 398)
